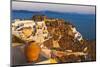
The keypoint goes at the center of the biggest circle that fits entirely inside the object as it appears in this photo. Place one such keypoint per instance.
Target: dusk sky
(31, 6)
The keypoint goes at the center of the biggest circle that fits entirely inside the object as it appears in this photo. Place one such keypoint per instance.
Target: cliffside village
(39, 31)
(30, 30)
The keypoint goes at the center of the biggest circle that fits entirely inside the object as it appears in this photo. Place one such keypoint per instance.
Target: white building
(40, 34)
(18, 24)
(77, 35)
(42, 31)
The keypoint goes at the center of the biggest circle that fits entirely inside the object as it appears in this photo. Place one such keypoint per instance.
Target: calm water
(85, 23)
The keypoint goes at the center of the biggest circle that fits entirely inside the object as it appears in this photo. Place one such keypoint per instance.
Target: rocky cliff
(63, 35)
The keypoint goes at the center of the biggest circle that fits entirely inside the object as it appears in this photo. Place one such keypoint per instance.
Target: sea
(84, 23)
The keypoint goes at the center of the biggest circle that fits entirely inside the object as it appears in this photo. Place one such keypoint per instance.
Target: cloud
(33, 6)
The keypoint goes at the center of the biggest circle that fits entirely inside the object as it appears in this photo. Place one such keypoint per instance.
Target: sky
(33, 6)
